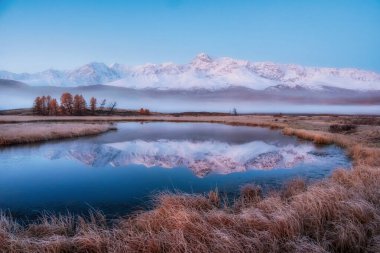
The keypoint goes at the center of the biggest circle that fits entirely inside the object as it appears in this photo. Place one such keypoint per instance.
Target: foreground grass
(339, 214)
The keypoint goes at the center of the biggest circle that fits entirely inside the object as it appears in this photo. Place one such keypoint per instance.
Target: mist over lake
(18, 95)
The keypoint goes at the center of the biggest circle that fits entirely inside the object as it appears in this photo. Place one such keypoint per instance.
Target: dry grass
(293, 187)
(315, 136)
(361, 154)
(22, 133)
(339, 214)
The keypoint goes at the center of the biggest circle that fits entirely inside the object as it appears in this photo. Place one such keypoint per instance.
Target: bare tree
(103, 104)
(93, 105)
(112, 107)
(47, 105)
(44, 110)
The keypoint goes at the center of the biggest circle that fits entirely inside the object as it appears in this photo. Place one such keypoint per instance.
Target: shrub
(339, 128)
(144, 111)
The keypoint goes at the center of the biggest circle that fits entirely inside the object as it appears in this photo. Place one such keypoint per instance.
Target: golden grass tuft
(317, 137)
(250, 193)
(364, 155)
(293, 187)
(214, 198)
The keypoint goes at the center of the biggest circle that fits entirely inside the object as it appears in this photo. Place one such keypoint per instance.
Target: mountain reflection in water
(119, 171)
(201, 157)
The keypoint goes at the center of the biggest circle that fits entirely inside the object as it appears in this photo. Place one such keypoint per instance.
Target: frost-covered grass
(339, 214)
(22, 133)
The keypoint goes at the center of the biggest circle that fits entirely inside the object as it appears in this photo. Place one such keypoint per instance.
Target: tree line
(69, 105)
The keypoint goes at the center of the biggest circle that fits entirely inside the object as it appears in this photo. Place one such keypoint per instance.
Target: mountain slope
(204, 72)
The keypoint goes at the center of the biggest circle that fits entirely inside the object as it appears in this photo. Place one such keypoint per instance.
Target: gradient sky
(40, 34)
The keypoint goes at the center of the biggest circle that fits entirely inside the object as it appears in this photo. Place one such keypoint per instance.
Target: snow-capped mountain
(204, 72)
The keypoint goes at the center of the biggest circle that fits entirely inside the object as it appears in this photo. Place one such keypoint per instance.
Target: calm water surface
(118, 172)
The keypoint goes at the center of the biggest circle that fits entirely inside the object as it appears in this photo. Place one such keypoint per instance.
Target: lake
(118, 172)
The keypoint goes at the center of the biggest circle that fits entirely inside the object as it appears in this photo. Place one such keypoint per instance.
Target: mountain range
(205, 84)
(205, 73)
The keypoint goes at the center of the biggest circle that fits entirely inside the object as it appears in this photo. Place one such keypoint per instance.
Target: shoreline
(312, 128)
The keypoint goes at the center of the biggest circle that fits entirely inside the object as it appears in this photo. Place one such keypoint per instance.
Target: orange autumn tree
(144, 111)
(37, 106)
(45, 105)
(79, 105)
(67, 103)
(53, 107)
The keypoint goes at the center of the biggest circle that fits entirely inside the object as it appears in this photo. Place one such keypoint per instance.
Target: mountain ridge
(204, 72)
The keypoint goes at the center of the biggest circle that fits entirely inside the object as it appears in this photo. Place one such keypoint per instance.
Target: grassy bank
(339, 214)
(23, 133)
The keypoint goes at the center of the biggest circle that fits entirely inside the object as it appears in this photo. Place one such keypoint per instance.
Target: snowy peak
(205, 72)
(202, 59)
(93, 73)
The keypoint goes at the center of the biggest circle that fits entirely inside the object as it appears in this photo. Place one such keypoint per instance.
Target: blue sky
(40, 34)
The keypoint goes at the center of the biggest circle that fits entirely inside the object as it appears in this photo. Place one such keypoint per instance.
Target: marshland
(189, 126)
(281, 205)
